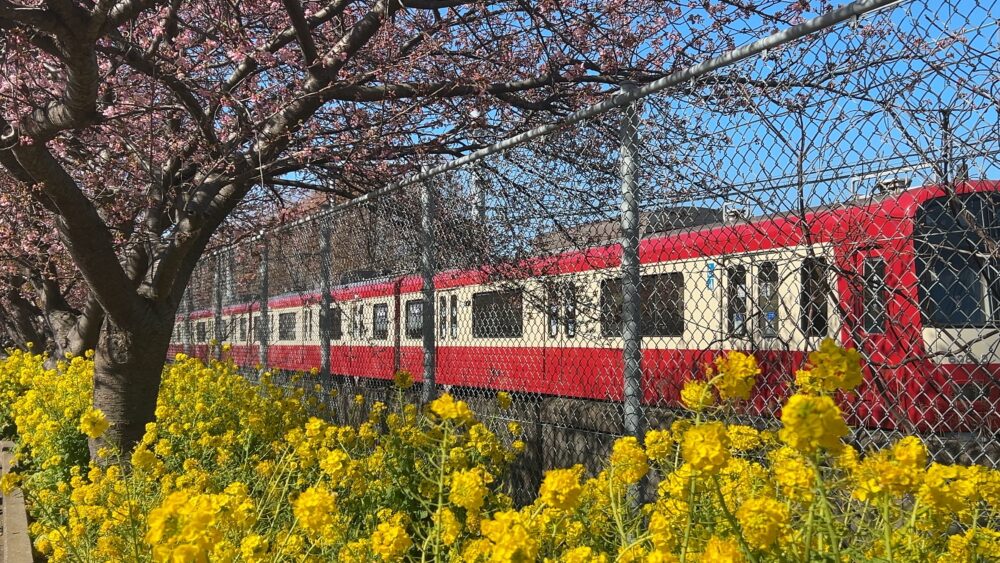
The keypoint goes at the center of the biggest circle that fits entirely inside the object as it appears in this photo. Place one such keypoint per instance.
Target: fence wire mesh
(840, 185)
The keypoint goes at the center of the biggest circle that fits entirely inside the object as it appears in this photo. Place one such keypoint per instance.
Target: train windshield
(956, 241)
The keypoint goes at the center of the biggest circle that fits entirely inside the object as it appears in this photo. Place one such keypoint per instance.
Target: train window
(736, 300)
(662, 305)
(415, 318)
(873, 296)
(443, 317)
(611, 307)
(569, 304)
(497, 314)
(307, 324)
(552, 294)
(954, 240)
(202, 331)
(243, 329)
(260, 323)
(454, 316)
(767, 298)
(360, 327)
(336, 323)
(286, 326)
(380, 321)
(662, 298)
(815, 317)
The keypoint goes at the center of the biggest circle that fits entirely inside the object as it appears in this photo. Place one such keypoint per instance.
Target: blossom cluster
(235, 471)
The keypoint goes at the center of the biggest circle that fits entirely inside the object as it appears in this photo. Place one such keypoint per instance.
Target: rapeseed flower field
(235, 471)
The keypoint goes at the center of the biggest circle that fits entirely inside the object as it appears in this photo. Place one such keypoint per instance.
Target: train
(910, 277)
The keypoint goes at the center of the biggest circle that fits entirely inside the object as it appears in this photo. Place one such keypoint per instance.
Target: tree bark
(21, 321)
(128, 365)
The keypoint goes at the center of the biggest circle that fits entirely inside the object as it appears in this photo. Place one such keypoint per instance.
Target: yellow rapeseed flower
(449, 524)
(736, 374)
(9, 482)
(763, 520)
(743, 438)
(583, 554)
(468, 488)
(513, 537)
(448, 408)
(504, 400)
(403, 379)
(561, 488)
(93, 423)
(706, 447)
(793, 475)
(629, 462)
(896, 471)
(666, 524)
(697, 395)
(719, 550)
(811, 423)
(659, 444)
(830, 368)
(390, 541)
(315, 512)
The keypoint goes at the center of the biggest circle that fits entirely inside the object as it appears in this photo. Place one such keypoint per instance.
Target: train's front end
(956, 256)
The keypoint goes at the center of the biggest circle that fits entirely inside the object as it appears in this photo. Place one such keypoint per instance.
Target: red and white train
(911, 278)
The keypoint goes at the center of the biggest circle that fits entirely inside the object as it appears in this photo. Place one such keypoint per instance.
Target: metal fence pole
(229, 284)
(631, 307)
(263, 328)
(219, 332)
(188, 324)
(427, 201)
(325, 300)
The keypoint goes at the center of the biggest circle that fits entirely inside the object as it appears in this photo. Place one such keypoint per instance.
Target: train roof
(757, 233)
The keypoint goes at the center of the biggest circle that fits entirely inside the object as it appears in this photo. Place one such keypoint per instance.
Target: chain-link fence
(838, 179)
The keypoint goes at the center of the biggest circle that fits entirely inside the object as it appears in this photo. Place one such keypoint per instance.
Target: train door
(775, 358)
(872, 290)
(561, 358)
(554, 358)
(872, 326)
(767, 305)
(737, 324)
(445, 371)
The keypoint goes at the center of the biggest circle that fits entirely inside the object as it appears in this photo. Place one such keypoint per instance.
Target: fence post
(263, 324)
(631, 307)
(325, 300)
(427, 201)
(217, 306)
(229, 284)
(188, 325)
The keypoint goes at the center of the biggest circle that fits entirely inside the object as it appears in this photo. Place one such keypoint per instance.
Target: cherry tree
(132, 132)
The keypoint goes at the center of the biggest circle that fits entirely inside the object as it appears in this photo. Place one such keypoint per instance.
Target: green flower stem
(732, 520)
(616, 510)
(690, 517)
(436, 532)
(887, 528)
(826, 510)
(807, 548)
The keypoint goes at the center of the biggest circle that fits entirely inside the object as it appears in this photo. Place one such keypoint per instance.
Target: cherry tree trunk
(128, 365)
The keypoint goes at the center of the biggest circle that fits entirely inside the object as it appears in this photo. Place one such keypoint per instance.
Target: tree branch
(302, 32)
(85, 235)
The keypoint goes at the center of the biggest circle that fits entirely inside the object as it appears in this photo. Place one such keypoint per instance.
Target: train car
(909, 278)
